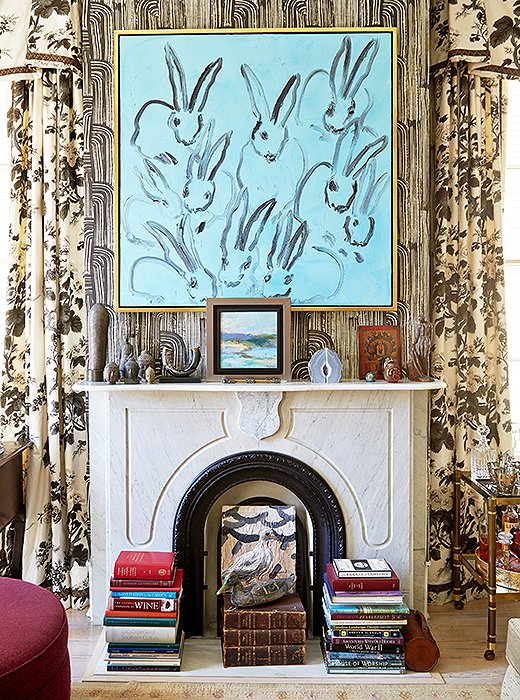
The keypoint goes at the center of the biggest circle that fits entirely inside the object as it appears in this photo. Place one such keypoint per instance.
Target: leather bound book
(286, 613)
(252, 637)
(271, 655)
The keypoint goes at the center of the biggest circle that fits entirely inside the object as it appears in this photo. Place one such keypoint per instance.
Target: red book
(139, 613)
(361, 584)
(144, 565)
(126, 584)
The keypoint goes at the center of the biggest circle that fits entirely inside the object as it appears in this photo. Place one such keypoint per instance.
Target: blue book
(139, 621)
(364, 655)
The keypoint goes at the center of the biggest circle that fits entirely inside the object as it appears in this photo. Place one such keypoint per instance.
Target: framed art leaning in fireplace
(256, 163)
(248, 338)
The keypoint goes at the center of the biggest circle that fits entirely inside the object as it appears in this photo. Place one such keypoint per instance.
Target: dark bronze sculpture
(128, 367)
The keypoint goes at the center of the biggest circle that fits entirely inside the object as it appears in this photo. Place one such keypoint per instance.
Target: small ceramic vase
(391, 370)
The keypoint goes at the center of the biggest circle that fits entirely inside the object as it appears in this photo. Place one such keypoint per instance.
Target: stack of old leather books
(268, 635)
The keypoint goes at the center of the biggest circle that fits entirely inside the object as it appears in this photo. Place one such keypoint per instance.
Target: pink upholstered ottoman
(34, 657)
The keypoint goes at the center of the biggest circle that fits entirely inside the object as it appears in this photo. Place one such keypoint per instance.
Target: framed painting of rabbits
(258, 164)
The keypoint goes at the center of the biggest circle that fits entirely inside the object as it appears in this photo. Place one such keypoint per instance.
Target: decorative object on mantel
(370, 377)
(374, 344)
(418, 367)
(144, 362)
(128, 367)
(391, 370)
(248, 338)
(149, 375)
(325, 367)
(171, 373)
(312, 341)
(98, 319)
(111, 373)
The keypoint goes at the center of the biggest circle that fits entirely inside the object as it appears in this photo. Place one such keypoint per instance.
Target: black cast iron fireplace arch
(188, 531)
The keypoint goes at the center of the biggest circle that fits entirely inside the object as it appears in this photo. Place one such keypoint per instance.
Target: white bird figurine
(251, 564)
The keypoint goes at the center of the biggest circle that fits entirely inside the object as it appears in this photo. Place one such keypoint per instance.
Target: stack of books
(269, 635)
(141, 621)
(364, 614)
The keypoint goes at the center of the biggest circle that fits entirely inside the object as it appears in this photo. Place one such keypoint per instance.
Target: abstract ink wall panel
(256, 164)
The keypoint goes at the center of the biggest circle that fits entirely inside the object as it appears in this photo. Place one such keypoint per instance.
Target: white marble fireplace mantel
(148, 443)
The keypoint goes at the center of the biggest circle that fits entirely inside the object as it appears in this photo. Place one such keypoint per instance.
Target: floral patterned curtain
(44, 351)
(473, 47)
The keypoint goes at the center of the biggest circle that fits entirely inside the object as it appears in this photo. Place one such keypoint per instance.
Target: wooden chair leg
(18, 526)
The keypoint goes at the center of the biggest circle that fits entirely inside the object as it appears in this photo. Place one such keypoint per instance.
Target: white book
(359, 568)
(141, 634)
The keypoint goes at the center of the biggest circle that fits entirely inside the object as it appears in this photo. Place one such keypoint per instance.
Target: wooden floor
(460, 634)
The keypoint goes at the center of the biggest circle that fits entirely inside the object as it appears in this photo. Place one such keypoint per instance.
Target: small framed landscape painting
(248, 338)
(374, 344)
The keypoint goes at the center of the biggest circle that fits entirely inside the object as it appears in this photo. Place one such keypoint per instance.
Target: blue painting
(248, 339)
(256, 164)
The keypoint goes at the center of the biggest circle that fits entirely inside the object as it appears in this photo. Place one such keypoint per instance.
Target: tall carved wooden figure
(97, 342)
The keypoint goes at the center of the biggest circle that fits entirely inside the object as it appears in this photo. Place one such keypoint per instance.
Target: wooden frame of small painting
(248, 338)
(374, 344)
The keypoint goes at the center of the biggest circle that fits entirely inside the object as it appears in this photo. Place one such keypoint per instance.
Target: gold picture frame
(199, 209)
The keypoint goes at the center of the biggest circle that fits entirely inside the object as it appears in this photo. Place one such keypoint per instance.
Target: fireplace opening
(320, 506)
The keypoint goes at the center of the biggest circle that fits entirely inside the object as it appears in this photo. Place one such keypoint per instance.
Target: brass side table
(462, 559)
(12, 507)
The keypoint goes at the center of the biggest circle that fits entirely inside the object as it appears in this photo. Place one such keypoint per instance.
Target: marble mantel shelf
(351, 385)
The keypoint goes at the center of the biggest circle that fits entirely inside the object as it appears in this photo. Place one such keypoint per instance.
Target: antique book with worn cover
(286, 613)
(270, 655)
(252, 637)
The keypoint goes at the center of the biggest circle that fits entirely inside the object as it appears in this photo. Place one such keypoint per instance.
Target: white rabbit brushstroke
(345, 81)
(157, 121)
(271, 162)
(336, 185)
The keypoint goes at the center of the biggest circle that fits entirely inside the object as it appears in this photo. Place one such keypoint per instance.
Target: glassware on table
(505, 475)
(482, 455)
